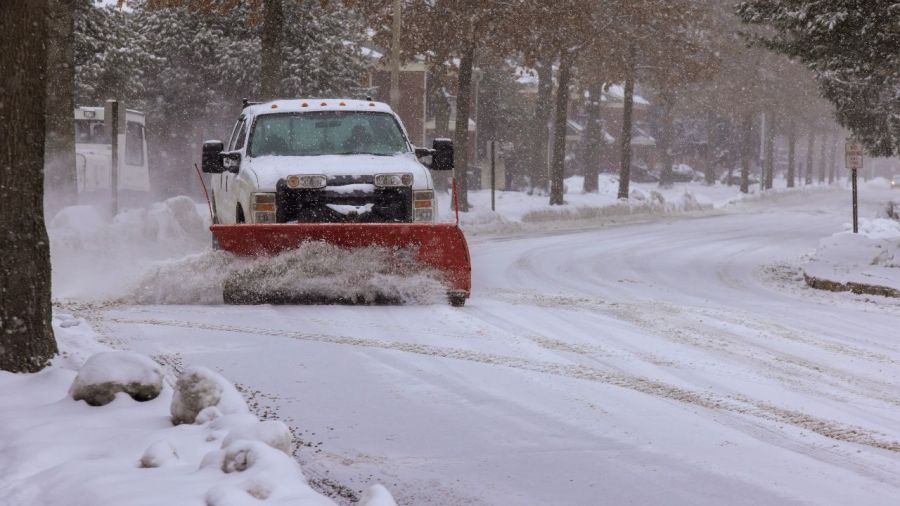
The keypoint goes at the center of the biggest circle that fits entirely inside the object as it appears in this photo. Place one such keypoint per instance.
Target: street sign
(854, 152)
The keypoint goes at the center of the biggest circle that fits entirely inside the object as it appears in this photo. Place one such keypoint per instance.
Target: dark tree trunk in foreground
(595, 140)
(558, 169)
(539, 173)
(792, 154)
(666, 134)
(746, 141)
(461, 133)
(271, 49)
(59, 152)
(810, 148)
(26, 336)
(625, 168)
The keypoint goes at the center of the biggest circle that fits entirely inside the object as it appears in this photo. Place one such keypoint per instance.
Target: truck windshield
(327, 133)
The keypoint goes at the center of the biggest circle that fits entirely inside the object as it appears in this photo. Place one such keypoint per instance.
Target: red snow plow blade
(441, 246)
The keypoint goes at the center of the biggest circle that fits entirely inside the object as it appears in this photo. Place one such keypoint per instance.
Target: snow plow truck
(335, 170)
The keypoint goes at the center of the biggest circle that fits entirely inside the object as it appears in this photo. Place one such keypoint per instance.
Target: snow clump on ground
(199, 388)
(106, 374)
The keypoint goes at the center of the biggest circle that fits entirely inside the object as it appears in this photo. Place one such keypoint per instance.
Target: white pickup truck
(322, 161)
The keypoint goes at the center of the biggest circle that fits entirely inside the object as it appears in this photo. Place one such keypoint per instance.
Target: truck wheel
(457, 299)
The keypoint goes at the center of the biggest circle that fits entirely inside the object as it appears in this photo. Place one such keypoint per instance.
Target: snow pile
(55, 451)
(871, 257)
(106, 374)
(314, 272)
(199, 389)
(94, 255)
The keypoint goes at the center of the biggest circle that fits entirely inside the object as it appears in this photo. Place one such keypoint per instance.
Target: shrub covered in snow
(108, 373)
(159, 454)
(199, 388)
(271, 432)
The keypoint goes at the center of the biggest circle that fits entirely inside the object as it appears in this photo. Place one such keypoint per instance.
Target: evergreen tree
(852, 46)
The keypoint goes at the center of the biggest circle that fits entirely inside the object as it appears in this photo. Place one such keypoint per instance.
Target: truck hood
(270, 169)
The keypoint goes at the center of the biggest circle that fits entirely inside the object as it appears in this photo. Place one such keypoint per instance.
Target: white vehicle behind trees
(93, 156)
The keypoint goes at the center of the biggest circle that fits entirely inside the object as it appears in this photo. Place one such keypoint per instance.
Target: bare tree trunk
(822, 161)
(770, 152)
(595, 140)
(26, 336)
(709, 171)
(461, 133)
(539, 173)
(792, 153)
(746, 141)
(625, 168)
(558, 169)
(272, 40)
(666, 133)
(440, 100)
(59, 155)
(832, 159)
(810, 149)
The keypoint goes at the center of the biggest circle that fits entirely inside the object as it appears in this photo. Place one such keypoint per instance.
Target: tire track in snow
(735, 403)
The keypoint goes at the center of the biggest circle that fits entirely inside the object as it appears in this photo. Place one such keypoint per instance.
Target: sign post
(493, 174)
(853, 150)
(114, 117)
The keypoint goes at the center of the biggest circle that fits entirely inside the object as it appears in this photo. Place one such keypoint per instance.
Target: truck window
(134, 143)
(90, 131)
(241, 136)
(234, 131)
(327, 133)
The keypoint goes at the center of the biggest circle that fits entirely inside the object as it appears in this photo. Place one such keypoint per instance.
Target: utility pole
(395, 56)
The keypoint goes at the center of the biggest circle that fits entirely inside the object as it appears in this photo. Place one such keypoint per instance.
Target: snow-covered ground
(56, 451)
(871, 257)
(675, 359)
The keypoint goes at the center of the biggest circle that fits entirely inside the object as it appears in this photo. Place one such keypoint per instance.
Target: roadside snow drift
(56, 451)
(870, 258)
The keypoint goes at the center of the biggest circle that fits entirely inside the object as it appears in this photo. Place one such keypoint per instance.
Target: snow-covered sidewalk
(55, 450)
(866, 263)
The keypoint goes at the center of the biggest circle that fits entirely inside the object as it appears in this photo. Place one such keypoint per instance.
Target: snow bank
(870, 258)
(94, 255)
(58, 452)
(513, 209)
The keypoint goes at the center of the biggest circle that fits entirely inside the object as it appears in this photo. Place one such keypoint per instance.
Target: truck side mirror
(442, 156)
(232, 161)
(212, 159)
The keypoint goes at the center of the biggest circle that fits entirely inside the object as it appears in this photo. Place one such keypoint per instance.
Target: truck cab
(322, 161)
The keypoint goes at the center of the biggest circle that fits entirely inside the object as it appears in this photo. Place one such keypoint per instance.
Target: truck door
(229, 193)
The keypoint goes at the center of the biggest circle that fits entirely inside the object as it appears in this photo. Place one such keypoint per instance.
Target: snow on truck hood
(270, 169)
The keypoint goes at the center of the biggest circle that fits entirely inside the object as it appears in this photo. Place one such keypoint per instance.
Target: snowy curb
(857, 288)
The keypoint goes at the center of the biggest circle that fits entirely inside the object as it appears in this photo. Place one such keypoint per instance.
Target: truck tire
(457, 299)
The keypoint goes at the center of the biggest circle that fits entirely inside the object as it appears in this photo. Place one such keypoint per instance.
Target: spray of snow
(162, 255)
(314, 272)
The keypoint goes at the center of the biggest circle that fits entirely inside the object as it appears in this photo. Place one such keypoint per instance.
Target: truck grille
(388, 205)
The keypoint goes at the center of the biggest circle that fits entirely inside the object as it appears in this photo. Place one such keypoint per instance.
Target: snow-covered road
(675, 362)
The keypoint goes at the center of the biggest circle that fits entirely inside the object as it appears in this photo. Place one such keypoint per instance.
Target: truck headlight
(307, 182)
(393, 180)
(423, 205)
(264, 208)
